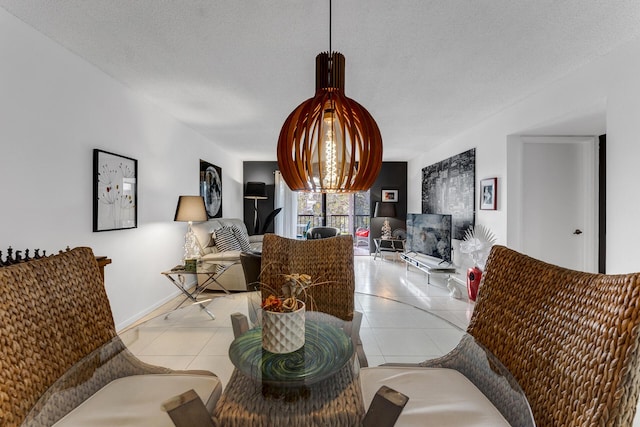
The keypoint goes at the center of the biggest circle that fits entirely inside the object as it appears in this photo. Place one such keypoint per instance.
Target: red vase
(473, 282)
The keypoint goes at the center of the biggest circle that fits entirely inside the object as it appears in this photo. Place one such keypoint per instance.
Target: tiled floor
(397, 325)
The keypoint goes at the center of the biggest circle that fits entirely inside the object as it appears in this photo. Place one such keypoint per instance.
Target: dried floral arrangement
(293, 291)
(294, 286)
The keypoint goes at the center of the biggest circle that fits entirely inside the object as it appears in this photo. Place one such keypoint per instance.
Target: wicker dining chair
(570, 338)
(329, 262)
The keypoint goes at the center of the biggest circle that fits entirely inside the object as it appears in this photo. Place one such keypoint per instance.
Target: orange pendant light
(330, 143)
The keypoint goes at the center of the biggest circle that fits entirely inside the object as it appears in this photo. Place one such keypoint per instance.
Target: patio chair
(303, 232)
(569, 338)
(320, 232)
(362, 236)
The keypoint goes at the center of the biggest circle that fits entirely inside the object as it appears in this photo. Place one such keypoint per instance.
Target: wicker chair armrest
(490, 376)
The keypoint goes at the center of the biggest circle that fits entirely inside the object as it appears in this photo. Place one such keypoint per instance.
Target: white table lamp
(385, 210)
(189, 209)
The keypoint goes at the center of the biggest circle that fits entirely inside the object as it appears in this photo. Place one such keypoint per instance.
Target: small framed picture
(488, 195)
(115, 191)
(389, 195)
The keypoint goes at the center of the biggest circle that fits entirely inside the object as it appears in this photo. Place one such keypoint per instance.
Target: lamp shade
(386, 210)
(190, 208)
(255, 190)
(330, 143)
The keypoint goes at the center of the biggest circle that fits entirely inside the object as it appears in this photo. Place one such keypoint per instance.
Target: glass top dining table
(318, 385)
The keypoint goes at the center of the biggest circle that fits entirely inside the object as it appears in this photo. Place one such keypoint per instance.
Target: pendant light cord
(330, 79)
(330, 28)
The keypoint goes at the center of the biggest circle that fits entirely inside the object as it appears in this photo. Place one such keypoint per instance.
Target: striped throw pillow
(242, 238)
(226, 239)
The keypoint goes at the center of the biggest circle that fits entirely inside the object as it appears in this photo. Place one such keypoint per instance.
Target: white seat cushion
(136, 400)
(228, 256)
(437, 397)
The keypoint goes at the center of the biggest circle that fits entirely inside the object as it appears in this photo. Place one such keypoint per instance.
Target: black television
(430, 234)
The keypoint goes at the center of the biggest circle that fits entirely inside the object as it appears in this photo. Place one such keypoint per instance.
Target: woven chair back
(329, 262)
(54, 311)
(570, 338)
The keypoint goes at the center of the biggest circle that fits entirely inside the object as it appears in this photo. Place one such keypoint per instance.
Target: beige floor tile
(393, 328)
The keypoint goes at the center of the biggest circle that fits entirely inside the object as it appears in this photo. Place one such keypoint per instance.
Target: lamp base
(191, 245)
(386, 230)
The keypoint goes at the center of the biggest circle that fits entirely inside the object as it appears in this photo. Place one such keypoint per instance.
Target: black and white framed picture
(488, 196)
(449, 187)
(115, 194)
(211, 188)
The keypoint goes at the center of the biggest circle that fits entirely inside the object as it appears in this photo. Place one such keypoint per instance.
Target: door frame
(515, 225)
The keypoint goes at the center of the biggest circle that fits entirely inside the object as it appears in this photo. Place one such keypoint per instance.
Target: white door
(559, 201)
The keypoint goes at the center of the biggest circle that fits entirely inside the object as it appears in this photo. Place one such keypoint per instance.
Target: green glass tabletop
(326, 350)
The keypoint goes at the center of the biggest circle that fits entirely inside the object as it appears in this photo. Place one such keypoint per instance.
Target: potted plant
(283, 315)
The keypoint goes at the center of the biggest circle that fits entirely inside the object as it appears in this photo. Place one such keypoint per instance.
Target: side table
(102, 262)
(387, 245)
(177, 276)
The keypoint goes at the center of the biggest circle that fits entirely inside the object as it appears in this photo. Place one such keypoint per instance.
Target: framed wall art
(211, 188)
(389, 195)
(488, 195)
(115, 191)
(449, 188)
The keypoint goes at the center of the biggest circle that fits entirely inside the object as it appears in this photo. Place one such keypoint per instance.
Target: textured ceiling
(425, 69)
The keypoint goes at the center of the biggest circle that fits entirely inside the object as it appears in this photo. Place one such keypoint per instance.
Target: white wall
(54, 110)
(611, 80)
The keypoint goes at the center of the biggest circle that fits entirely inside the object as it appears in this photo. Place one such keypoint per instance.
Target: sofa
(63, 363)
(224, 249)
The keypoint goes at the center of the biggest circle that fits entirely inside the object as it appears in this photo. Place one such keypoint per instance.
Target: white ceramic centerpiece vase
(283, 332)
